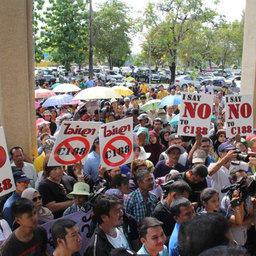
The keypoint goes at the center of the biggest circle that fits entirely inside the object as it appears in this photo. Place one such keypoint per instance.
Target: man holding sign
(195, 114)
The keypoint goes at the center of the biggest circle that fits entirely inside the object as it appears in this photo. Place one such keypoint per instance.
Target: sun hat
(81, 189)
(182, 150)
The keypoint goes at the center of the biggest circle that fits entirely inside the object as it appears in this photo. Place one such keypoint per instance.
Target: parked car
(184, 80)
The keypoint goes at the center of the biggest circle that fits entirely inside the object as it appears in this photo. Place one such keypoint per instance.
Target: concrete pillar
(249, 53)
(17, 103)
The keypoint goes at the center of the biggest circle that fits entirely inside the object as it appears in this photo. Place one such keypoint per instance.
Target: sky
(232, 9)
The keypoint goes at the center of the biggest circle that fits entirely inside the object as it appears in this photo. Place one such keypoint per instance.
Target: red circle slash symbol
(66, 145)
(110, 146)
(2, 156)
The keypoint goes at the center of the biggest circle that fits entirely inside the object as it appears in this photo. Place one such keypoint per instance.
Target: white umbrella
(66, 88)
(96, 93)
(58, 100)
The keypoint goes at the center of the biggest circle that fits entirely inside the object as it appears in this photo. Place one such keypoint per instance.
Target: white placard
(195, 114)
(73, 142)
(116, 143)
(238, 115)
(7, 184)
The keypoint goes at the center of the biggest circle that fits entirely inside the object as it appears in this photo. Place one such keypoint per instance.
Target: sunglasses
(35, 199)
(23, 183)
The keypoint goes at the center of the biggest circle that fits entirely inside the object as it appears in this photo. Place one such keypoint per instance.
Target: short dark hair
(225, 250)
(179, 187)
(232, 176)
(206, 139)
(119, 179)
(140, 175)
(42, 136)
(21, 206)
(177, 204)
(201, 233)
(157, 120)
(59, 229)
(15, 148)
(200, 170)
(103, 205)
(146, 223)
(207, 194)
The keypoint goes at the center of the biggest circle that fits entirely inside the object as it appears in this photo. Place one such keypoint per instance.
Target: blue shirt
(143, 250)
(91, 165)
(209, 160)
(89, 83)
(173, 242)
(138, 207)
(7, 213)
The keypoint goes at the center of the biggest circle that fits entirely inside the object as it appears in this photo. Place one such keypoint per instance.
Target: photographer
(219, 172)
(238, 204)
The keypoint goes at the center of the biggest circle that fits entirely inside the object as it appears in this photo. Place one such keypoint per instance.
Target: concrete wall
(249, 52)
(17, 107)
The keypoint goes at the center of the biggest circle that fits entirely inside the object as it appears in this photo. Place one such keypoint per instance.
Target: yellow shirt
(162, 94)
(38, 163)
(144, 88)
(191, 89)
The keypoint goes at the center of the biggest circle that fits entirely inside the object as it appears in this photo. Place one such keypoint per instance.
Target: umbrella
(96, 93)
(66, 88)
(122, 90)
(129, 79)
(54, 85)
(58, 100)
(43, 93)
(175, 120)
(171, 100)
(151, 105)
(37, 104)
(41, 121)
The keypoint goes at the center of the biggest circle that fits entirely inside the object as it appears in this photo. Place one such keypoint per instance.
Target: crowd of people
(168, 201)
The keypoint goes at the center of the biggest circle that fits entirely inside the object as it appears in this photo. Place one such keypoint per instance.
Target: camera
(243, 188)
(242, 157)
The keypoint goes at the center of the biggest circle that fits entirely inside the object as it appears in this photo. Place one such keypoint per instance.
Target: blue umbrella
(58, 100)
(175, 120)
(171, 100)
(54, 85)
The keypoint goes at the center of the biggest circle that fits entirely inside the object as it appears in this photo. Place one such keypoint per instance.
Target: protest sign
(82, 220)
(7, 183)
(73, 142)
(238, 115)
(116, 143)
(195, 114)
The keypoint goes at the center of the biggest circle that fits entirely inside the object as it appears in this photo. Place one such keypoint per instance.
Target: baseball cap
(19, 176)
(199, 156)
(225, 146)
(182, 150)
(174, 136)
(126, 99)
(142, 116)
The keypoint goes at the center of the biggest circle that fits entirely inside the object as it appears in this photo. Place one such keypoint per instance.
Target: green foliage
(65, 33)
(113, 41)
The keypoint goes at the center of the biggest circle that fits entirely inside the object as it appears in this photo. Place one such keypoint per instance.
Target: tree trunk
(173, 70)
(90, 41)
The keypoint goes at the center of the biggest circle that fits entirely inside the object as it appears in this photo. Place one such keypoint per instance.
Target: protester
(66, 237)
(21, 183)
(28, 237)
(152, 238)
(43, 214)
(141, 203)
(17, 156)
(108, 212)
(182, 210)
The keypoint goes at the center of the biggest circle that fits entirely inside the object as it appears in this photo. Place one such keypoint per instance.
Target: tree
(181, 17)
(38, 47)
(65, 32)
(113, 42)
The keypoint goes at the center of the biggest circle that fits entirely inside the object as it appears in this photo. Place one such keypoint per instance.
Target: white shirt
(210, 89)
(5, 231)
(182, 160)
(220, 178)
(119, 241)
(30, 172)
